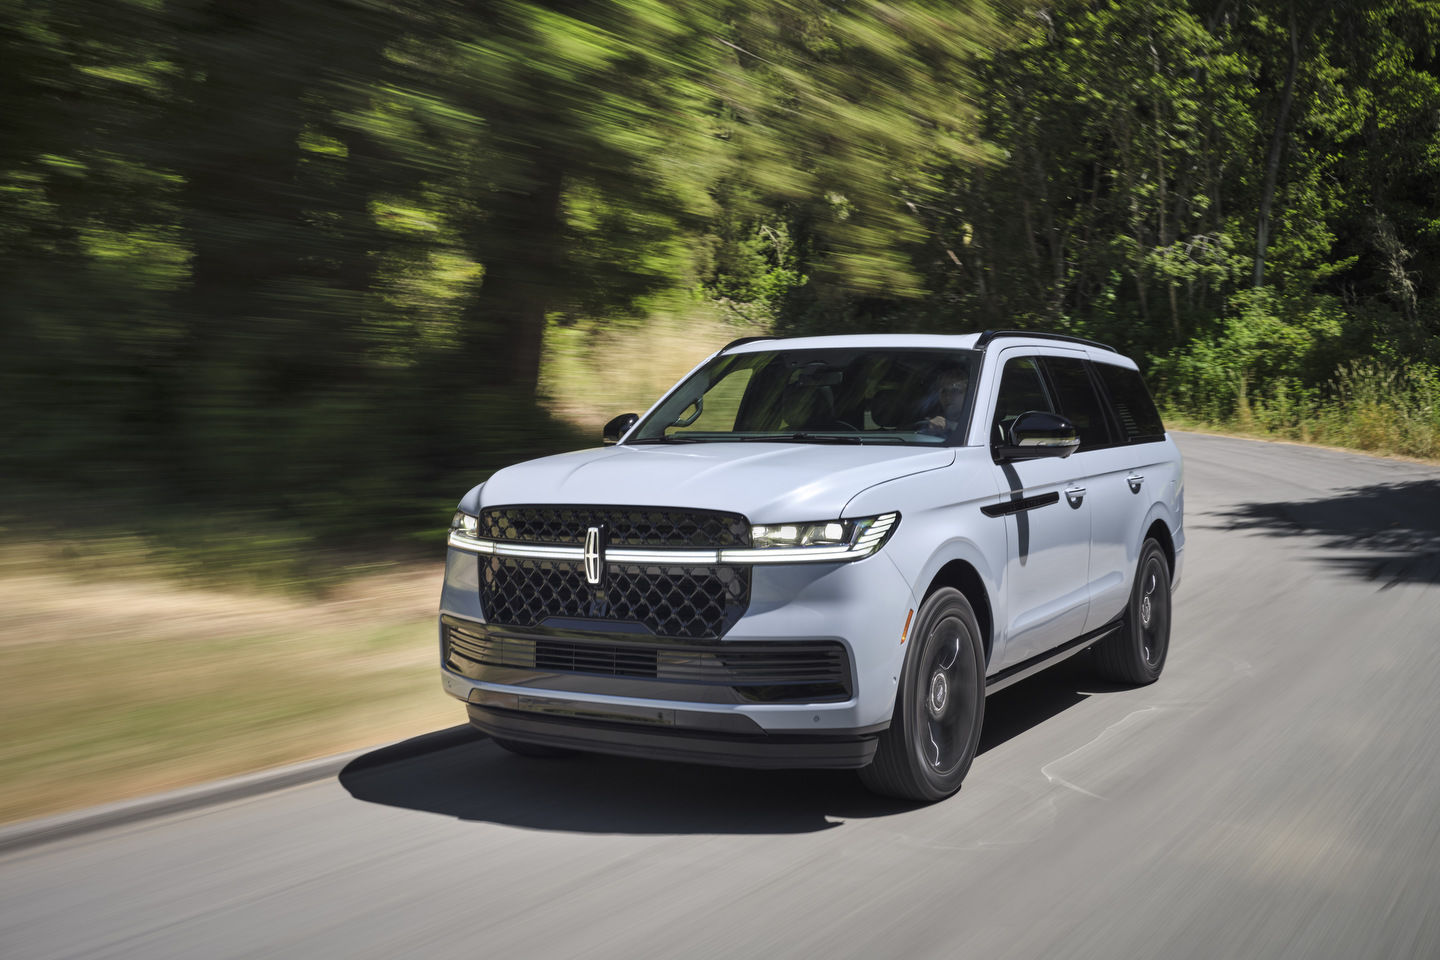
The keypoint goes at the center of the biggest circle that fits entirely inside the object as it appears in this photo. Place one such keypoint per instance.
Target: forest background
(293, 273)
(281, 279)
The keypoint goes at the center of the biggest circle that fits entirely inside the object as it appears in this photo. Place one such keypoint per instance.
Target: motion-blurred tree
(840, 119)
(578, 133)
(300, 257)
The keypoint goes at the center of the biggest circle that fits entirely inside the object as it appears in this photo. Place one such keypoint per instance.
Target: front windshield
(830, 395)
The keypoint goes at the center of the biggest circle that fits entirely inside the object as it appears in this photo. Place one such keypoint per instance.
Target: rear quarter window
(1134, 408)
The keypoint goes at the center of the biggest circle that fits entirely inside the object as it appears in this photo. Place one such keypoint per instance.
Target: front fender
(962, 550)
(941, 523)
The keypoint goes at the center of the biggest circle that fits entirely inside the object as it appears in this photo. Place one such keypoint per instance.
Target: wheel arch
(963, 576)
(1159, 531)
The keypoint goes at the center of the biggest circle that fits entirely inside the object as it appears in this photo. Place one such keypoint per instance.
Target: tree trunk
(239, 158)
(521, 249)
(1277, 139)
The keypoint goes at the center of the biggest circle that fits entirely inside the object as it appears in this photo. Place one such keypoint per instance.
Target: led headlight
(831, 533)
(814, 541)
(464, 525)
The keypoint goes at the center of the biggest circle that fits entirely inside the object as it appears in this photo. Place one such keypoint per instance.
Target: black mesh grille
(698, 602)
(687, 602)
(624, 526)
(809, 671)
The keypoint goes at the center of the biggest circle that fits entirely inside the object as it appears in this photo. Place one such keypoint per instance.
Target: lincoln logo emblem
(594, 556)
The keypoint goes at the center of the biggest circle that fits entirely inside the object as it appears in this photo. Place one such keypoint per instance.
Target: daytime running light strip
(868, 543)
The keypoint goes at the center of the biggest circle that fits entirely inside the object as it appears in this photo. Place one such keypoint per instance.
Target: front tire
(1135, 654)
(939, 706)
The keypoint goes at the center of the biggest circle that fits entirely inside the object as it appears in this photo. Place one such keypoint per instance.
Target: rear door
(1103, 463)
(1131, 474)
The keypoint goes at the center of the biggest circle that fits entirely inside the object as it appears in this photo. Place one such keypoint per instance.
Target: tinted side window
(1079, 403)
(1021, 390)
(1134, 409)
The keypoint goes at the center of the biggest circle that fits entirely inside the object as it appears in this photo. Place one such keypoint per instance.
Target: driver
(950, 385)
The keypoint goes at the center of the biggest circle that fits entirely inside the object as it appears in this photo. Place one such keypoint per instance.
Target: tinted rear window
(1134, 409)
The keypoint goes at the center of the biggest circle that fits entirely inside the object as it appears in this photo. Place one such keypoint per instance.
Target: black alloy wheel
(939, 707)
(1135, 653)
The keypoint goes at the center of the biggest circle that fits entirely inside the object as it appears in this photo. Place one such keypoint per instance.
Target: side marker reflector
(906, 632)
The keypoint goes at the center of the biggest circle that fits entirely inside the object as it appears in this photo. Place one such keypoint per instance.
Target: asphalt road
(1276, 794)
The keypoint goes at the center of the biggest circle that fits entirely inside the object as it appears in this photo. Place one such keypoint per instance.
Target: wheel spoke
(1155, 616)
(946, 723)
(954, 652)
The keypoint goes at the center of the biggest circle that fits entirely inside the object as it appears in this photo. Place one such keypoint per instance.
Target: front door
(1047, 527)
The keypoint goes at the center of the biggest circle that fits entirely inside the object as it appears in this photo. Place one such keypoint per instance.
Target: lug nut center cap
(939, 693)
(1145, 610)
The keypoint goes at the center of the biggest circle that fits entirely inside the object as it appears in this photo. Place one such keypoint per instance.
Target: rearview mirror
(617, 428)
(1036, 434)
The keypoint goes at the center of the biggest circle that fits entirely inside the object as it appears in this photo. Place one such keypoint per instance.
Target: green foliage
(839, 120)
(295, 263)
(1367, 405)
(1265, 348)
(752, 267)
(298, 261)
(1148, 159)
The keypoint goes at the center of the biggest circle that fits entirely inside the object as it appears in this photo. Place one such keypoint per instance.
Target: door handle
(1075, 495)
(1135, 480)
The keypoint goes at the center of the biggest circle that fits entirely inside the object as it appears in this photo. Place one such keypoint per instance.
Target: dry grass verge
(118, 688)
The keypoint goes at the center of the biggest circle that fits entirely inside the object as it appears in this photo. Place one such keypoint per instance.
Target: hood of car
(767, 482)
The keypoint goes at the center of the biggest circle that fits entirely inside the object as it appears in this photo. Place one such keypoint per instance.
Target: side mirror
(616, 428)
(1035, 434)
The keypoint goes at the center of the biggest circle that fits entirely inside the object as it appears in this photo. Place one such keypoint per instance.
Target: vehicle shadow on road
(1043, 697)
(476, 780)
(1390, 531)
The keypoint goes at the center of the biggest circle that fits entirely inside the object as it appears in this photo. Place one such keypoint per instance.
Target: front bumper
(861, 605)
(666, 734)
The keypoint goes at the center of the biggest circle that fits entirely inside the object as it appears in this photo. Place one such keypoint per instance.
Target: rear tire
(535, 750)
(939, 706)
(1135, 654)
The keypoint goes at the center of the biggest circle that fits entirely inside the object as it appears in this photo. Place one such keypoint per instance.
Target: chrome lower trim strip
(1028, 668)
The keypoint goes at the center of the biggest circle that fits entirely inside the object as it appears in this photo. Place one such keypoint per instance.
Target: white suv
(822, 552)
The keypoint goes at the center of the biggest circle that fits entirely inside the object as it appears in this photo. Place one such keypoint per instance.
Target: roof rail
(989, 335)
(736, 343)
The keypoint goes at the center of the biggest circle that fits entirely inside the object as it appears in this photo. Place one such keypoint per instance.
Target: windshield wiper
(822, 438)
(798, 438)
(670, 440)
